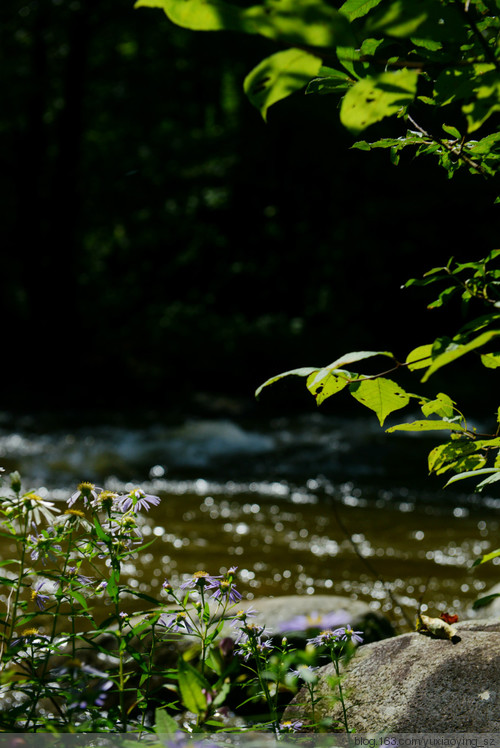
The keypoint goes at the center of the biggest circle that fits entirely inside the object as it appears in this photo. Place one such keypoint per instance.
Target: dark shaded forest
(160, 240)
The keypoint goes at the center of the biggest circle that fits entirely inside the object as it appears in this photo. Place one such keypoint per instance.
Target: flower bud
(15, 481)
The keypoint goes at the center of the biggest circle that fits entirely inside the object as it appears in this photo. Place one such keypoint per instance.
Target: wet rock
(295, 616)
(416, 684)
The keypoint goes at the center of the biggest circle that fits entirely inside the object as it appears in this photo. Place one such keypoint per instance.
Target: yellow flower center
(33, 497)
(30, 632)
(86, 488)
(75, 513)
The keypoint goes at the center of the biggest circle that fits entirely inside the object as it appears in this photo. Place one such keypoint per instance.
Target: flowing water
(304, 504)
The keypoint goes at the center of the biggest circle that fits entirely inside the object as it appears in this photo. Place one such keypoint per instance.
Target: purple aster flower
(347, 634)
(124, 528)
(137, 500)
(305, 673)
(176, 622)
(42, 546)
(315, 620)
(241, 616)
(291, 725)
(167, 587)
(40, 599)
(251, 647)
(80, 578)
(199, 579)
(30, 636)
(87, 491)
(225, 591)
(327, 637)
(73, 518)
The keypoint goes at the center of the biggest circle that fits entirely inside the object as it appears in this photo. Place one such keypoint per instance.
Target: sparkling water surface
(302, 505)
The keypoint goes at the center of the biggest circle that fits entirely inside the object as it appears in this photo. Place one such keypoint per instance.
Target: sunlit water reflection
(294, 504)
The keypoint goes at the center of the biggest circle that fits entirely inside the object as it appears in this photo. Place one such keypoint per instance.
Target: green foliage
(278, 76)
(422, 61)
(466, 454)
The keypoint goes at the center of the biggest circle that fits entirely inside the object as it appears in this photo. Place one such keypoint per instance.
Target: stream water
(301, 505)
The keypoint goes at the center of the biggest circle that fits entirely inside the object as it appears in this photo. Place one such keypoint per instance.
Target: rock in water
(417, 684)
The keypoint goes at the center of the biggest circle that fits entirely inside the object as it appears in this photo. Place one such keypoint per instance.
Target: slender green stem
(22, 540)
(336, 664)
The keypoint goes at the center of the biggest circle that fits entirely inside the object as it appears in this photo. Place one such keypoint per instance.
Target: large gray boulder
(416, 684)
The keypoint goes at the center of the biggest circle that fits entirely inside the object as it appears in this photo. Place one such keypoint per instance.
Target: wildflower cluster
(77, 672)
(80, 548)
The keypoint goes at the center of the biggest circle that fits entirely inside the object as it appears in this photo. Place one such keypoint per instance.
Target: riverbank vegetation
(418, 78)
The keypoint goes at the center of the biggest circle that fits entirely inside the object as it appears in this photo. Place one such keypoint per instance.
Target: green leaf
(493, 478)
(441, 406)
(420, 357)
(472, 474)
(336, 82)
(452, 131)
(357, 8)
(443, 297)
(352, 358)
(78, 597)
(373, 98)
(400, 18)
(381, 395)
(419, 19)
(112, 586)
(486, 100)
(490, 360)
(486, 600)
(312, 23)
(455, 351)
(441, 457)
(164, 723)
(278, 76)
(193, 687)
(487, 557)
(427, 426)
(101, 535)
(305, 371)
(328, 384)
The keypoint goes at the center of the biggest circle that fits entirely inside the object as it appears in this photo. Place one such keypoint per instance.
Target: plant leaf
(490, 360)
(312, 23)
(356, 8)
(427, 426)
(381, 395)
(486, 600)
(441, 406)
(164, 723)
(373, 98)
(420, 357)
(305, 371)
(278, 76)
(487, 557)
(456, 351)
(193, 687)
(473, 474)
(329, 384)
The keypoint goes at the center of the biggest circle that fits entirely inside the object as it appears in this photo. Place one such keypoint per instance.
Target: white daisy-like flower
(37, 507)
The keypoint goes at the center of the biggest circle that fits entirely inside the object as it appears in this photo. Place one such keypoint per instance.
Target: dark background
(160, 240)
